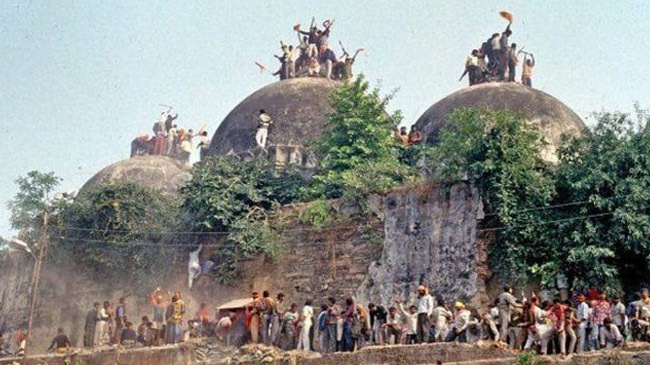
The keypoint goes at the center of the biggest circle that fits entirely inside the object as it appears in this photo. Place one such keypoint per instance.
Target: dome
(158, 172)
(299, 108)
(552, 117)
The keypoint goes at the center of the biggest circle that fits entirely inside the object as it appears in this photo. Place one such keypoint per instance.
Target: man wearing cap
(507, 304)
(460, 324)
(425, 308)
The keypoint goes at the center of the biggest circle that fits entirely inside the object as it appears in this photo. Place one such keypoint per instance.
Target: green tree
(498, 152)
(116, 226)
(608, 173)
(238, 198)
(33, 200)
(359, 153)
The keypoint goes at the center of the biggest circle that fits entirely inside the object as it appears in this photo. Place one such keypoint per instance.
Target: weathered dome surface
(299, 108)
(552, 117)
(158, 172)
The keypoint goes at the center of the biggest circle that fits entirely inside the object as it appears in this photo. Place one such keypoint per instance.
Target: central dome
(551, 116)
(299, 108)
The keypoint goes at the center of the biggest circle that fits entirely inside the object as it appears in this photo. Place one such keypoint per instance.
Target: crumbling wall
(424, 234)
(431, 239)
(315, 264)
(318, 263)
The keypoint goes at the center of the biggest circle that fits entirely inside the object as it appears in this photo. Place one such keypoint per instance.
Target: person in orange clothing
(253, 321)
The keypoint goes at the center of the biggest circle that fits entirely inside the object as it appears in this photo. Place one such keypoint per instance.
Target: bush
(359, 154)
(238, 198)
(116, 226)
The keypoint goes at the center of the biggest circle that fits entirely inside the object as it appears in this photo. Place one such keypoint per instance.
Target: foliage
(318, 213)
(586, 217)
(237, 198)
(113, 226)
(359, 154)
(33, 199)
(527, 358)
(499, 152)
(608, 171)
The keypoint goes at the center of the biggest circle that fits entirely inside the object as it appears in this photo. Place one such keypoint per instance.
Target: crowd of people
(501, 63)
(587, 321)
(169, 140)
(313, 57)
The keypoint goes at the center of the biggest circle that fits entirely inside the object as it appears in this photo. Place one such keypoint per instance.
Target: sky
(80, 79)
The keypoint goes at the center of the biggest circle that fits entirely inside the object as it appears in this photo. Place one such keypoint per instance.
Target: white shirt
(425, 304)
(411, 321)
(583, 311)
(440, 316)
(462, 319)
(494, 312)
(205, 142)
(471, 61)
(397, 320)
(307, 314)
(612, 334)
(540, 315)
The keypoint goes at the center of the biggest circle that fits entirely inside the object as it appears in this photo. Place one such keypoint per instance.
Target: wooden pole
(44, 240)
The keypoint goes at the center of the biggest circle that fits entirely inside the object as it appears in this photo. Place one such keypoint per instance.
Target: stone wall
(315, 264)
(424, 234)
(169, 355)
(431, 239)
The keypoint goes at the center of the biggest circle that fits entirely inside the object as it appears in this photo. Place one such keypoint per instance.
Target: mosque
(300, 111)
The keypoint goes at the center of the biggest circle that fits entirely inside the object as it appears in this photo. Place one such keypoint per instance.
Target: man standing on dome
(494, 52)
(328, 59)
(527, 70)
(503, 52)
(471, 68)
(312, 48)
(512, 62)
(262, 134)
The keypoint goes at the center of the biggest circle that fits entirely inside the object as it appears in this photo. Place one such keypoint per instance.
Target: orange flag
(506, 15)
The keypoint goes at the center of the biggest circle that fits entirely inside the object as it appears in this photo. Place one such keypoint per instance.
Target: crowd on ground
(502, 61)
(587, 321)
(169, 140)
(313, 57)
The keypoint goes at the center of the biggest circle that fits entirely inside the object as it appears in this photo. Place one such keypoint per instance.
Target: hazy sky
(79, 79)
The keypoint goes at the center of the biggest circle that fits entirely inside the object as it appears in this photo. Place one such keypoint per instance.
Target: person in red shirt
(203, 316)
(558, 312)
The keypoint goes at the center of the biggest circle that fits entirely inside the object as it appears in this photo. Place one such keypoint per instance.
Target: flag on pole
(261, 66)
(296, 27)
(506, 15)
